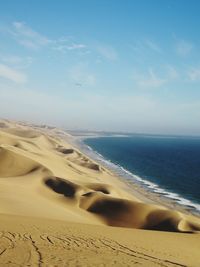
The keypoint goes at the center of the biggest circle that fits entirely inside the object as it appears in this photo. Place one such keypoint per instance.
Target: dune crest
(14, 164)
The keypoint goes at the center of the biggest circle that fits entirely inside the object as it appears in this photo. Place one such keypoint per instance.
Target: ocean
(166, 165)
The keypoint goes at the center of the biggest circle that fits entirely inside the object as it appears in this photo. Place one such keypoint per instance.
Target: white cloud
(12, 59)
(76, 46)
(143, 46)
(153, 46)
(184, 48)
(107, 52)
(27, 36)
(68, 47)
(151, 79)
(31, 39)
(12, 74)
(148, 80)
(172, 73)
(194, 74)
(19, 62)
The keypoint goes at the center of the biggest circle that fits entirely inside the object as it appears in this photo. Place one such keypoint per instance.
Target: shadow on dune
(77, 158)
(98, 200)
(126, 213)
(64, 150)
(60, 186)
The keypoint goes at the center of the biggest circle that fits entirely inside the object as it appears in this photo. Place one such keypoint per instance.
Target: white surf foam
(153, 187)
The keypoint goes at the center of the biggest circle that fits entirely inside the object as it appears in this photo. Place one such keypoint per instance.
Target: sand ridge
(42, 177)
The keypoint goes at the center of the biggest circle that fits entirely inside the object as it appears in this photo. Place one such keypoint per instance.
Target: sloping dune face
(13, 164)
(55, 180)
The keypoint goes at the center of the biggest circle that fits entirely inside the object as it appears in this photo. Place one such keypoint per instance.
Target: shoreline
(138, 188)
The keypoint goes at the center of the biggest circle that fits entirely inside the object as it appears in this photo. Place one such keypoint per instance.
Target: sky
(109, 65)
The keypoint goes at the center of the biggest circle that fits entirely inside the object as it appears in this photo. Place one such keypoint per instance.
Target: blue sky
(102, 65)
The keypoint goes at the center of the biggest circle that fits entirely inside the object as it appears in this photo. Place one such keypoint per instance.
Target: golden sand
(60, 208)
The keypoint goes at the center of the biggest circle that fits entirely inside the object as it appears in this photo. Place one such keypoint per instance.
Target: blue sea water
(166, 165)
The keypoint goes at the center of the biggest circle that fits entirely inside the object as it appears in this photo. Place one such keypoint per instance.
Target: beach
(60, 207)
(164, 166)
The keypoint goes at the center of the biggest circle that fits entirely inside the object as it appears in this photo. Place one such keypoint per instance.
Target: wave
(146, 184)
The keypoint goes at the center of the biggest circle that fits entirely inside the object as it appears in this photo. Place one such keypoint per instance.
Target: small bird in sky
(78, 84)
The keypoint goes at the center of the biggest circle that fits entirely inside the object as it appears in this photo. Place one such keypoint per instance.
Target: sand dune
(44, 180)
(79, 159)
(14, 164)
(121, 212)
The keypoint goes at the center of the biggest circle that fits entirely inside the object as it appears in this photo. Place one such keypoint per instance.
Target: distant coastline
(93, 134)
(150, 191)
